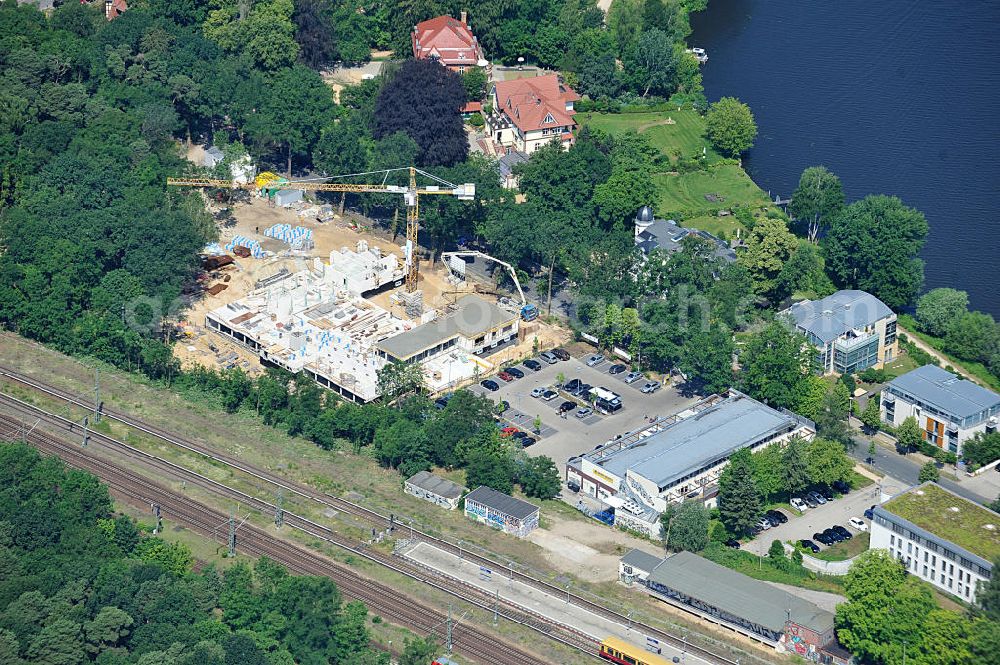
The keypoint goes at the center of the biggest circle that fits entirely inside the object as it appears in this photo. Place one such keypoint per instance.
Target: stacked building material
(298, 237)
(256, 250)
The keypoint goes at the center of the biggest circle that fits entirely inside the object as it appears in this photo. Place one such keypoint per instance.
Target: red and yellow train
(623, 653)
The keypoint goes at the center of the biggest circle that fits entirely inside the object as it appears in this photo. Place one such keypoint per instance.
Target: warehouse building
(441, 491)
(679, 457)
(501, 511)
(747, 606)
(940, 537)
(950, 410)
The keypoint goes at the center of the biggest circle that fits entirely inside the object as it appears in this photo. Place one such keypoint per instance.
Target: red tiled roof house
(529, 113)
(449, 41)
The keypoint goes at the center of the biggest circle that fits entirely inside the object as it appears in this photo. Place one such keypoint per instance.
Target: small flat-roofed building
(475, 326)
(425, 485)
(853, 330)
(636, 566)
(679, 457)
(940, 537)
(950, 410)
(756, 609)
(501, 511)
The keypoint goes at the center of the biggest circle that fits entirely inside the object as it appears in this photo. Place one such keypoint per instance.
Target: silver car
(651, 387)
(549, 358)
(595, 360)
(632, 377)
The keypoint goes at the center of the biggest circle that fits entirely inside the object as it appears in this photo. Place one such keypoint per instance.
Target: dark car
(617, 369)
(809, 545)
(833, 535)
(533, 365)
(440, 403)
(776, 516)
(571, 385)
(515, 372)
(870, 513)
(490, 385)
(527, 441)
(842, 532)
(567, 406)
(809, 501)
(561, 354)
(519, 434)
(732, 542)
(583, 390)
(502, 406)
(823, 538)
(841, 486)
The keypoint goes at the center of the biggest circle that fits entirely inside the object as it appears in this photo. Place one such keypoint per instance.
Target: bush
(476, 120)
(872, 375)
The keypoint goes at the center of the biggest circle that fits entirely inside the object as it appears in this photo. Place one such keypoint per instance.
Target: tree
(685, 526)
(264, 31)
(652, 63)
(812, 391)
(739, 499)
(776, 550)
(803, 271)
(973, 336)
(707, 359)
(831, 420)
(540, 478)
(424, 100)
(474, 81)
(768, 472)
(397, 379)
(929, 472)
(871, 585)
(768, 247)
(939, 308)
(828, 462)
(314, 32)
(490, 468)
(873, 245)
(418, 651)
(774, 362)
(730, 126)
(908, 435)
(818, 197)
(871, 417)
(988, 596)
(795, 466)
(981, 449)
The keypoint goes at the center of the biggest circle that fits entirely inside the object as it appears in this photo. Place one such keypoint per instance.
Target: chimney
(465, 17)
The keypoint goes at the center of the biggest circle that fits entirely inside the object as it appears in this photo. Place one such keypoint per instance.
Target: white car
(632, 377)
(798, 504)
(858, 523)
(549, 395)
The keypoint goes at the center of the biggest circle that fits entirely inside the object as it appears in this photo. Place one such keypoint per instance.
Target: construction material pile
(298, 237)
(252, 245)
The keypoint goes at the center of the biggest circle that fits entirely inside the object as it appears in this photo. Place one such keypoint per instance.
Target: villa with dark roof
(950, 410)
(666, 234)
(853, 330)
(531, 112)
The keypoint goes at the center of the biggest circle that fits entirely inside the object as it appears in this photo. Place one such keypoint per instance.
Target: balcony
(852, 340)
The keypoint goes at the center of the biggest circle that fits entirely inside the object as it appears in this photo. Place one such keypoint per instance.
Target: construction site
(295, 283)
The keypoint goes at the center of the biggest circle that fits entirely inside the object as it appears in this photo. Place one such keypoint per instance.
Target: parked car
(827, 494)
(842, 532)
(528, 441)
(841, 486)
(490, 385)
(561, 354)
(870, 513)
(809, 545)
(506, 376)
(548, 357)
(519, 434)
(502, 406)
(582, 390)
(617, 369)
(549, 395)
(567, 406)
(809, 501)
(440, 403)
(732, 542)
(571, 385)
(632, 377)
(537, 392)
(817, 497)
(776, 517)
(650, 387)
(508, 431)
(858, 523)
(515, 372)
(798, 504)
(763, 524)
(823, 538)
(584, 412)
(832, 535)
(595, 360)
(533, 365)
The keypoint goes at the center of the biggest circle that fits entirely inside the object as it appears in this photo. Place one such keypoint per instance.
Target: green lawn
(728, 184)
(845, 550)
(687, 134)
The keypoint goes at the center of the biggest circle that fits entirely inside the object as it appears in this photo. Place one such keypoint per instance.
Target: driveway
(816, 519)
(565, 437)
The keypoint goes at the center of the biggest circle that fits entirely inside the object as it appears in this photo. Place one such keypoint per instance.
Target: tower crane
(271, 182)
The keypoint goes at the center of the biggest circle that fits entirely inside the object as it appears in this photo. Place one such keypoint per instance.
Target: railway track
(380, 598)
(357, 510)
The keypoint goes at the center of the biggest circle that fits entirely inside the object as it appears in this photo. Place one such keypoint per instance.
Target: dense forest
(79, 584)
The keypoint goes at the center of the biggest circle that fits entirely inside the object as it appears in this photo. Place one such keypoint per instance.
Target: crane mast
(411, 192)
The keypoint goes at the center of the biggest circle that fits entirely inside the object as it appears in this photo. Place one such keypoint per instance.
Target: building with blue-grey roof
(853, 330)
(949, 409)
(679, 457)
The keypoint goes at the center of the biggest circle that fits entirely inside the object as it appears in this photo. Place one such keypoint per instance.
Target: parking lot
(564, 436)
(816, 519)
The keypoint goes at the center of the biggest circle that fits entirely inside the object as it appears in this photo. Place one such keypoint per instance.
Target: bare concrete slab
(530, 599)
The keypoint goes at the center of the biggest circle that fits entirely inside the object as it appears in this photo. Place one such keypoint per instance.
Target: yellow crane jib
(269, 183)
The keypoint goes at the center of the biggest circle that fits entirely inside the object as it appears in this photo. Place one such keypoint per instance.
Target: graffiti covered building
(501, 511)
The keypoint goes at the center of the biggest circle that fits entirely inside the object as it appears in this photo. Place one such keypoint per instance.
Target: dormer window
(548, 119)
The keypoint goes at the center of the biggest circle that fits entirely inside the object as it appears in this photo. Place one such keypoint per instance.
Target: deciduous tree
(818, 196)
(939, 309)
(774, 362)
(908, 435)
(930, 472)
(539, 478)
(768, 247)
(871, 417)
(730, 126)
(685, 526)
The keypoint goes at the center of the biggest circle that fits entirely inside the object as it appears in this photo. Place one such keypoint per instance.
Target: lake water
(895, 97)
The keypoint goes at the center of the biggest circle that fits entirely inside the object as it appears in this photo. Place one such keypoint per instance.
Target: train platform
(535, 601)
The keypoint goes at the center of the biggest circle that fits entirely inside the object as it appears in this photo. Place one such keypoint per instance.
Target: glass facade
(855, 358)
